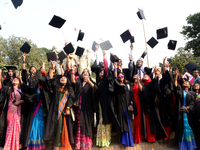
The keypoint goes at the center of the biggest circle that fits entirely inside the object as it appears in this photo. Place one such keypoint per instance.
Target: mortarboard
(17, 3)
(69, 48)
(140, 14)
(105, 45)
(25, 48)
(80, 35)
(11, 68)
(162, 33)
(152, 42)
(143, 54)
(61, 56)
(79, 51)
(51, 56)
(113, 58)
(147, 70)
(93, 46)
(172, 44)
(57, 21)
(132, 40)
(191, 66)
(126, 36)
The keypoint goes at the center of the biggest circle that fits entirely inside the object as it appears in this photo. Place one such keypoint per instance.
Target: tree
(191, 33)
(10, 53)
(181, 59)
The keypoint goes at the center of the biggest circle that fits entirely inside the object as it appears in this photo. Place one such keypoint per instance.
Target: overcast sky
(105, 19)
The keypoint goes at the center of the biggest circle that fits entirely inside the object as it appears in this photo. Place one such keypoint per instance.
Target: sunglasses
(121, 76)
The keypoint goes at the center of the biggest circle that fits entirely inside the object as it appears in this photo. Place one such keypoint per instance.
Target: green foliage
(10, 52)
(191, 33)
(181, 59)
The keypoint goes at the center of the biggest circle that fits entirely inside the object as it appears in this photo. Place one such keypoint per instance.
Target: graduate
(28, 78)
(15, 113)
(185, 129)
(196, 89)
(139, 122)
(56, 131)
(85, 112)
(105, 112)
(151, 137)
(11, 74)
(125, 105)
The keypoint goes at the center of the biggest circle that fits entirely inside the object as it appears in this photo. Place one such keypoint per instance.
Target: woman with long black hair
(11, 74)
(56, 132)
(12, 99)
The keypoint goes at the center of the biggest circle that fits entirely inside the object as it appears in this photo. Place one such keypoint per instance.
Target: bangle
(188, 107)
(68, 108)
(164, 65)
(115, 70)
(131, 104)
(72, 73)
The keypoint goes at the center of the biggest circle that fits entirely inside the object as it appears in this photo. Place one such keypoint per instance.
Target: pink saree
(12, 141)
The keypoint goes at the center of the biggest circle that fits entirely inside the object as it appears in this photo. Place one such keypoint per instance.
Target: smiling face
(10, 73)
(146, 77)
(63, 80)
(120, 77)
(75, 69)
(186, 84)
(33, 70)
(139, 64)
(196, 86)
(15, 81)
(85, 74)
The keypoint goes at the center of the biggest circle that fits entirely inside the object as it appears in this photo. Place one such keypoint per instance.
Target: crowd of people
(51, 110)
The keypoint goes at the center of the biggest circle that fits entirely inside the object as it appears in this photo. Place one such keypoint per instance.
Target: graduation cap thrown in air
(132, 40)
(140, 14)
(152, 42)
(80, 35)
(162, 33)
(172, 44)
(143, 54)
(25, 48)
(17, 3)
(11, 68)
(93, 46)
(61, 55)
(79, 51)
(191, 66)
(51, 56)
(57, 21)
(147, 70)
(106, 45)
(126, 36)
(113, 58)
(69, 48)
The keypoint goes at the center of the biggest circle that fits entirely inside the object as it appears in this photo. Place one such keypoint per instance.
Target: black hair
(12, 88)
(66, 86)
(124, 81)
(30, 69)
(7, 75)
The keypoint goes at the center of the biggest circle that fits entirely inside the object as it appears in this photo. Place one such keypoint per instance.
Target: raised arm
(105, 62)
(24, 59)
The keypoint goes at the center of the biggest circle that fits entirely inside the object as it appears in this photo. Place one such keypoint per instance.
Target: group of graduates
(46, 110)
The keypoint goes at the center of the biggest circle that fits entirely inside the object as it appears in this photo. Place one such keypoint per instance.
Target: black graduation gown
(124, 97)
(156, 125)
(105, 96)
(7, 82)
(27, 79)
(87, 107)
(197, 121)
(52, 118)
(30, 92)
(4, 98)
(163, 88)
(189, 102)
